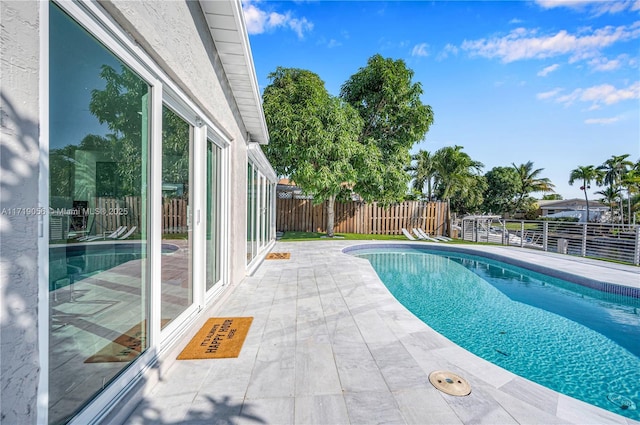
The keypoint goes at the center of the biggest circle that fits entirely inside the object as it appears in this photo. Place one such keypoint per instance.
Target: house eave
(228, 29)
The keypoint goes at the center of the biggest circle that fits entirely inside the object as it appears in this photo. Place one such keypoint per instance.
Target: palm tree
(453, 170)
(610, 197)
(631, 182)
(423, 172)
(586, 173)
(613, 170)
(530, 181)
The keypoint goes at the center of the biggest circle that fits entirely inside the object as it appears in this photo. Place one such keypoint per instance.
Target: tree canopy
(313, 135)
(394, 119)
(504, 188)
(586, 174)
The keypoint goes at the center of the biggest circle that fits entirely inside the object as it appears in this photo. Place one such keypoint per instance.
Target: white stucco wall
(176, 36)
(19, 155)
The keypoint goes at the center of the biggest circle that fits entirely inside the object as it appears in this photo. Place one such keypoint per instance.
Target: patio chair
(129, 233)
(112, 235)
(407, 234)
(443, 238)
(425, 236)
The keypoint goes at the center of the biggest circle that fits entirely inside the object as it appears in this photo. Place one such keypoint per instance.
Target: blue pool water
(575, 340)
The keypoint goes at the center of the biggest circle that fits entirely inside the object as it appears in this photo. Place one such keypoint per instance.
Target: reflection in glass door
(98, 168)
(250, 213)
(214, 210)
(177, 290)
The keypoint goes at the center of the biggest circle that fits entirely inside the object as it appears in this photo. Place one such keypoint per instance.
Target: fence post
(505, 235)
(636, 256)
(545, 235)
(521, 233)
(584, 240)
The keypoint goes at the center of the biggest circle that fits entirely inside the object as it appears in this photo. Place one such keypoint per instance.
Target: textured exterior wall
(19, 155)
(175, 34)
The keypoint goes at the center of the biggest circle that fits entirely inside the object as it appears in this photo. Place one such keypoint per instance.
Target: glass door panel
(214, 210)
(98, 167)
(176, 262)
(255, 212)
(250, 212)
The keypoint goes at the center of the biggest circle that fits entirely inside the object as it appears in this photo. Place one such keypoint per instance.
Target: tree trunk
(629, 206)
(587, 200)
(448, 229)
(330, 215)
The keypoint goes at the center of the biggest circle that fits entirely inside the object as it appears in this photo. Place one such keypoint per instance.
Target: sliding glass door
(98, 172)
(177, 226)
(213, 240)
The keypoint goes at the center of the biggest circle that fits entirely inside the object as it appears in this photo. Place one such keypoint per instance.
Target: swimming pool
(573, 339)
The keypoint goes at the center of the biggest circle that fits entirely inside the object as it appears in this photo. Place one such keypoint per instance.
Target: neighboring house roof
(229, 32)
(570, 204)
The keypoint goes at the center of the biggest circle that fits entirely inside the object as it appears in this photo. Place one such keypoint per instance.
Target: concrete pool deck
(330, 345)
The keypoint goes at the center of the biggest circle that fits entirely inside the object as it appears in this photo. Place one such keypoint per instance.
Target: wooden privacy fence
(126, 211)
(301, 215)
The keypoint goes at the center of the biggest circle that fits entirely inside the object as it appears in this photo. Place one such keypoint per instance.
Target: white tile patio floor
(330, 345)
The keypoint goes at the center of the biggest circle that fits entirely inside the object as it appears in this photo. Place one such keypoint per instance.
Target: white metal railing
(605, 241)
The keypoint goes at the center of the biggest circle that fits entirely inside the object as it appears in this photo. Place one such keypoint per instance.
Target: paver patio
(330, 345)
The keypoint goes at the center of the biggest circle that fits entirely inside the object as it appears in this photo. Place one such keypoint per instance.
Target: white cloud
(548, 70)
(606, 64)
(549, 94)
(420, 50)
(449, 49)
(602, 121)
(597, 96)
(595, 7)
(300, 26)
(523, 43)
(259, 21)
(516, 21)
(333, 43)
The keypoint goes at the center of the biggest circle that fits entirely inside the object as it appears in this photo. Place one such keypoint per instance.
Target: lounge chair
(407, 234)
(112, 235)
(129, 233)
(425, 236)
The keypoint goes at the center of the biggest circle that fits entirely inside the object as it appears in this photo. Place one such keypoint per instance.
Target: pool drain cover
(449, 383)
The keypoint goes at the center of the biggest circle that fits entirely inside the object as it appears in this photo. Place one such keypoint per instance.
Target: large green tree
(504, 189)
(586, 174)
(394, 118)
(119, 105)
(313, 136)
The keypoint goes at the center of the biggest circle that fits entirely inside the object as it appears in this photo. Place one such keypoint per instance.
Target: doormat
(126, 347)
(220, 337)
(278, 256)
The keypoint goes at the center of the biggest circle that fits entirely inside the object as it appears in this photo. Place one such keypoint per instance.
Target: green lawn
(308, 236)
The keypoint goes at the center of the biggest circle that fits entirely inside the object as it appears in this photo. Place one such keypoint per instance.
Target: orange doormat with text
(220, 337)
(278, 256)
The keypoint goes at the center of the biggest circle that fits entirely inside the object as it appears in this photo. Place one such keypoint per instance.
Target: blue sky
(556, 82)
